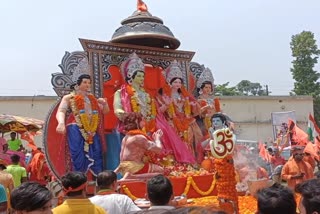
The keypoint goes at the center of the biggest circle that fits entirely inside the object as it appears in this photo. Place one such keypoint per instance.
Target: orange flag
(142, 6)
(29, 137)
(311, 118)
(264, 154)
(297, 136)
(310, 148)
(317, 144)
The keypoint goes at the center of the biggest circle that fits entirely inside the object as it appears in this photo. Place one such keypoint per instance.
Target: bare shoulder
(67, 97)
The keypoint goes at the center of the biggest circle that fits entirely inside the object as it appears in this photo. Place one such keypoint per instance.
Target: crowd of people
(32, 197)
(18, 166)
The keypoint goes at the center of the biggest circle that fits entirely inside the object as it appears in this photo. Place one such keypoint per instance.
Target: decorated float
(148, 37)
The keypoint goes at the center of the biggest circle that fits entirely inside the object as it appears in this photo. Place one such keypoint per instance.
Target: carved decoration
(72, 65)
(105, 54)
(196, 69)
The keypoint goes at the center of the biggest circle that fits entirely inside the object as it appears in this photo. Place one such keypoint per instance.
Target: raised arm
(156, 146)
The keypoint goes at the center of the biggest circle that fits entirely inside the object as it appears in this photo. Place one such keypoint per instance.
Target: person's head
(159, 190)
(310, 192)
(276, 199)
(74, 183)
(297, 153)
(13, 135)
(132, 121)
(2, 167)
(15, 159)
(276, 151)
(218, 121)
(107, 180)
(84, 82)
(270, 151)
(207, 87)
(32, 198)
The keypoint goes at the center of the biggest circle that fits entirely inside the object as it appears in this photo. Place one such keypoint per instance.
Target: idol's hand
(102, 101)
(157, 135)
(167, 100)
(61, 128)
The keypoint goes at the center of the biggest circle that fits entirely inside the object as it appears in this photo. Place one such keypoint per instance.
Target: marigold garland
(150, 124)
(138, 131)
(87, 127)
(191, 182)
(226, 182)
(128, 193)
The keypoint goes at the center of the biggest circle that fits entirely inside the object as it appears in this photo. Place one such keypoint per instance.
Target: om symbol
(222, 143)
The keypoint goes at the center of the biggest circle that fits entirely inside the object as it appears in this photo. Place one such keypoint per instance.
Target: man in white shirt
(108, 198)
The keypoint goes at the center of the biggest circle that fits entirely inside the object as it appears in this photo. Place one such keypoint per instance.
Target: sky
(237, 40)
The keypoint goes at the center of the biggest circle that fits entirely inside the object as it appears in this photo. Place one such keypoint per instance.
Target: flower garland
(226, 183)
(87, 127)
(138, 131)
(128, 193)
(191, 182)
(151, 111)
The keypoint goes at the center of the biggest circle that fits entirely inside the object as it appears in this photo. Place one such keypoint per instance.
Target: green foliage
(243, 88)
(305, 53)
(224, 90)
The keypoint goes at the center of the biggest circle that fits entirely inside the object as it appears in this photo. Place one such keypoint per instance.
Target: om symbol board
(222, 143)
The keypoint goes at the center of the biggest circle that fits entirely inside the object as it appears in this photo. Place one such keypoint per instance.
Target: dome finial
(141, 6)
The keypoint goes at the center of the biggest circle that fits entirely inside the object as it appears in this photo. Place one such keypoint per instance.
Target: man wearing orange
(296, 170)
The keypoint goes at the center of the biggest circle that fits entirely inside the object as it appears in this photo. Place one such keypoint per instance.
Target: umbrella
(9, 123)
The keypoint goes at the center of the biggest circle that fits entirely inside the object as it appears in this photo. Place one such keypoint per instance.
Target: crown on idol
(173, 71)
(206, 75)
(130, 66)
(81, 68)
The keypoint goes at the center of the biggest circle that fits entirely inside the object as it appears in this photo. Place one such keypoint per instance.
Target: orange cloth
(309, 159)
(38, 169)
(292, 168)
(312, 150)
(264, 153)
(297, 135)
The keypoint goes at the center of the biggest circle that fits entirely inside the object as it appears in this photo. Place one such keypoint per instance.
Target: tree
(305, 52)
(224, 90)
(245, 87)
